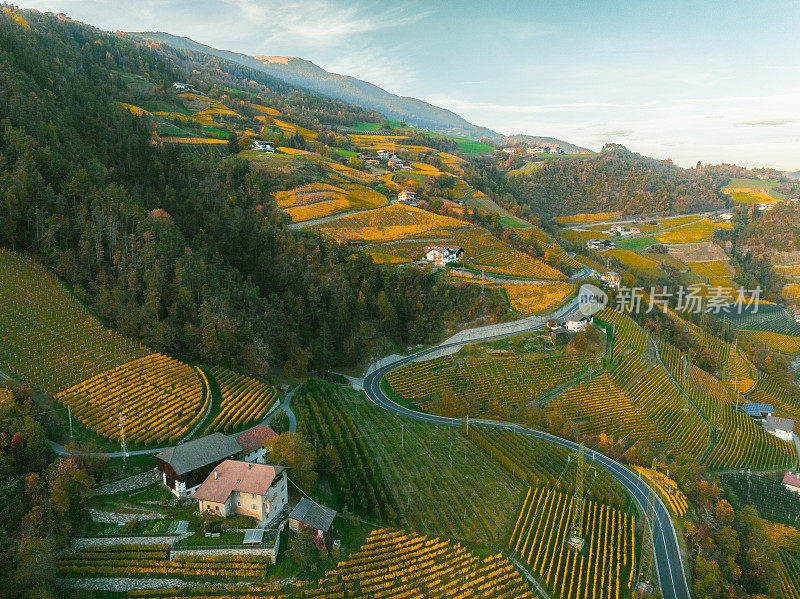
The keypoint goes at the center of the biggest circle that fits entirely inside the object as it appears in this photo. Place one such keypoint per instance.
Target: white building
(766, 205)
(783, 428)
(726, 216)
(611, 279)
(236, 487)
(577, 322)
(260, 145)
(443, 255)
(406, 196)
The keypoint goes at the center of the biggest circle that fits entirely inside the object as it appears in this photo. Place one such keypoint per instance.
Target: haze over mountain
(306, 74)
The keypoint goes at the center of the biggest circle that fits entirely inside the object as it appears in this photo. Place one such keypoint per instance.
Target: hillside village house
(577, 322)
(766, 206)
(406, 196)
(252, 443)
(263, 146)
(443, 255)
(237, 487)
(185, 466)
(600, 244)
(726, 216)
(611, 279)
(791, 482)
(758, 411)
(635, 231)
(783, 428)
(308, 517)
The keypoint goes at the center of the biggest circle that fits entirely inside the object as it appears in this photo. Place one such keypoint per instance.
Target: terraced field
(398, 564)
(606, 566)
(162, 399)
(244, 401)
(441, 482)
(48, 337)
(493, 387)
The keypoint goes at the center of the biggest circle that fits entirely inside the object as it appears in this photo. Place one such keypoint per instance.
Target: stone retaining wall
(84, 542)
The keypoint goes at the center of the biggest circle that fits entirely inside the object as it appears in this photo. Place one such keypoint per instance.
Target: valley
(271, 331)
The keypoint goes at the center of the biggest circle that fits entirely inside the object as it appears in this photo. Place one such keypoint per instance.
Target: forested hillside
(616, 179)
(182, 249)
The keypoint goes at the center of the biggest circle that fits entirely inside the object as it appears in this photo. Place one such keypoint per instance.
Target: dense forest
(179, 248)
(616, 179)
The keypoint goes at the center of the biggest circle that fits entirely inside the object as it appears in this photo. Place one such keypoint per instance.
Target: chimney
(216, 475)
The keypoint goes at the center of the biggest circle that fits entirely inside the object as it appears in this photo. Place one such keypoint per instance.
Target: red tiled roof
(252, 439)
(233, 475)
(791, 480)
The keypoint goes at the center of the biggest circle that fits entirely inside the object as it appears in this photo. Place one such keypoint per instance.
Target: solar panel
(253, 535)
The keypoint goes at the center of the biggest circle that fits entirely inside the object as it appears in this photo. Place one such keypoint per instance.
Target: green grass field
(635, 243)
(767, 186)
(489, 205)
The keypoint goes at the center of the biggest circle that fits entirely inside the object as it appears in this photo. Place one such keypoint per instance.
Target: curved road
(668, 564)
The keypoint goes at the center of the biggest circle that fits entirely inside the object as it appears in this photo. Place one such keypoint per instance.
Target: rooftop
(198, 453)
(313, 514)
(756, 409)
(235, 475)
(254, 438)
(773, 423)
(791, 480)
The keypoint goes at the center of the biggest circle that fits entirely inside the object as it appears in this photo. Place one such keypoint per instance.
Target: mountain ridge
(307, 74)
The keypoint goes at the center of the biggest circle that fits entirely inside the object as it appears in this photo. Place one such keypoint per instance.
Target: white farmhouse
(611, 279)
(443, 255)
(260, 145)
(577, 322)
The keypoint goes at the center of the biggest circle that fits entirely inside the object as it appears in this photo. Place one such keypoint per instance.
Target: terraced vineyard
(244, 400)
(319, 200)
(491, 387)
(790, 576)
(784, 344)
(667, 488)
(599, 406)
(391, 222)
(627, 334)
(544, 464)
(772, 319)
(537, 298)
(401, 565)
(48, 337)
(605, 567)
(441, 483)
(162, 399)
(152, 561)
(356, 481)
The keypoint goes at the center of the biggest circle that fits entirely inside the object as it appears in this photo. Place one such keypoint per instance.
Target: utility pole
(402, 436)
(69, 415)
(122, 438)
(576, 540)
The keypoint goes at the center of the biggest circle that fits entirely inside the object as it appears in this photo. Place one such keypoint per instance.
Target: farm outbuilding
(311, 518)
(185, 466)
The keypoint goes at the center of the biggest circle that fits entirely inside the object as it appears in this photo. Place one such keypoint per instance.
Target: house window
(254, 506)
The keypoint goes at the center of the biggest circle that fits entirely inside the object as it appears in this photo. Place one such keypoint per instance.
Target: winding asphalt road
(668, 564)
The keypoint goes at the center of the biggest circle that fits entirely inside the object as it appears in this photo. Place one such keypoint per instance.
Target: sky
(692, 81)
